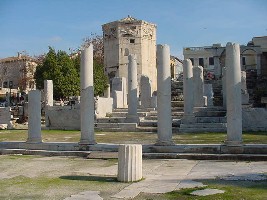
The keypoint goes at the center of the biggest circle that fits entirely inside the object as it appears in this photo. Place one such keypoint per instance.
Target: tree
(59, 67)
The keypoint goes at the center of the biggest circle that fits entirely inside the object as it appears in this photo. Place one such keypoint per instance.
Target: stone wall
(5, 117)
(68, 117)
(63, 117)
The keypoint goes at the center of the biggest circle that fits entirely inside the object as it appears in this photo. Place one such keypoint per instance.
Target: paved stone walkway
(162, 176)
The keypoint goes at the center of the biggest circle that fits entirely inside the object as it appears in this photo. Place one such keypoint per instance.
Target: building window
(243, 60)
(192, 60)
(211, 61)
(201, 62)
(5, 84)
(132, 41)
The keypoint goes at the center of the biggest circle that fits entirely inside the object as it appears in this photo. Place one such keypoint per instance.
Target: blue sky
(33, 25)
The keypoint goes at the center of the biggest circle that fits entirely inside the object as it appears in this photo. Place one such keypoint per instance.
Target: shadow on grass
(90, 178)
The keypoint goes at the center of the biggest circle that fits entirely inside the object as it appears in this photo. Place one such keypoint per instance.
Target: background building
(130, 36)
(17, 73)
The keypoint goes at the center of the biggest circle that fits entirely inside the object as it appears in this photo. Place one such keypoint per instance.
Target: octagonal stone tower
(130, 36)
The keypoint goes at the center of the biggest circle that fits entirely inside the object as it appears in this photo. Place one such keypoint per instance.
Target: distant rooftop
(16, 58)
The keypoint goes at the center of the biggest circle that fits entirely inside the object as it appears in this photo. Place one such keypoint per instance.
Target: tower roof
(129, 19)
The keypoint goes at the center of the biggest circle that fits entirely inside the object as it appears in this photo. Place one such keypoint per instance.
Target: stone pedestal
(188, 116)
(34, 120)
(87, 97)
(145, 89)
(164, 96)
(107, 92)
(233, 95)
(199, 101)
(208, 92)
(217, 67)
(132, 90)
(119, 85)
(130, 163)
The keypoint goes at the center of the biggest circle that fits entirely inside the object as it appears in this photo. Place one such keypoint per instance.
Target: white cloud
(55, 39)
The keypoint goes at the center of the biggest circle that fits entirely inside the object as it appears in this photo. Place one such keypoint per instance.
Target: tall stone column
(164, 96)
(48, 98)
(34, 121)
(87, 97)
(233, 95)
(187, 92)
(48, 92)
(198, 86)
(132, 90)
(224, 86)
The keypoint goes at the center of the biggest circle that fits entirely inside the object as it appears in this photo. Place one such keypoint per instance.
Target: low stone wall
(68, 117)
(63, 117)
(254, 119)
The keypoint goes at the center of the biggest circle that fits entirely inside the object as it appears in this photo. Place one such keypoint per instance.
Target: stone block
(130, 163)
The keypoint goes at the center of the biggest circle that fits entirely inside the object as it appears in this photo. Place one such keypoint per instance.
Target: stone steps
(124, 114)
(110, 120)
(154, 123)
(204, 125)
(211, 119)
(210, 114)
(196, 130)
(116, 126)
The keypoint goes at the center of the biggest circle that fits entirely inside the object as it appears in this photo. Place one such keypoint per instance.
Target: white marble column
(107, 92)
(164, 96)
(34, 120)
(233, 95)
(87, 97)
(132, 90)
(187, 92)
(198, 86)
(224, 86)
(48, 92)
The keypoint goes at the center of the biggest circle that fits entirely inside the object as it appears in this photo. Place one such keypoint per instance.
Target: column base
(87, 142)
(34, 141)
(164, 143)
(232, 147)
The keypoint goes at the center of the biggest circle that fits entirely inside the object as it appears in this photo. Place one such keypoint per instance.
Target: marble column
(164, 96)
(48, 92)
(233, 95)
(224, 86)
(34, 120)
(187, 92)
(107, 92)
(132, 90)
(87, 97)
(198, 86)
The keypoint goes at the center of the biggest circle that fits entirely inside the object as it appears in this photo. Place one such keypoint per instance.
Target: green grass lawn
(132, 137)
